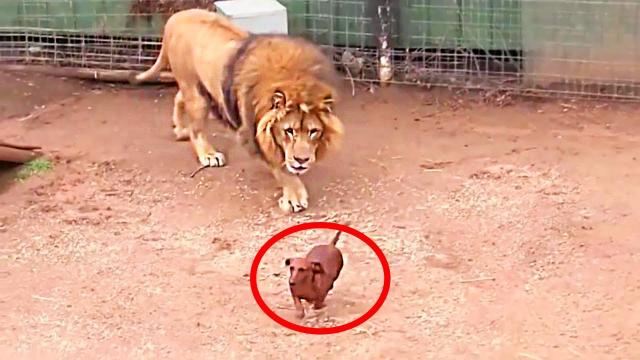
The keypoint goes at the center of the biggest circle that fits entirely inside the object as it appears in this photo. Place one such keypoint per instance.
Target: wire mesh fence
(560, 47)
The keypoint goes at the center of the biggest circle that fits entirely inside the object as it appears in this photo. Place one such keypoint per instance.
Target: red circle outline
(319, 225)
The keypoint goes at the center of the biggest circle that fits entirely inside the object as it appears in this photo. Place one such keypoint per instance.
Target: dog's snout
(301, 160)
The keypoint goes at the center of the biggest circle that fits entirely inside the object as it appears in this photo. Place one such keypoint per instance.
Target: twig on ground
(569, 106)
(487, 278)
(48, 108)
(529, 356)
(38, 297)
(196, 171)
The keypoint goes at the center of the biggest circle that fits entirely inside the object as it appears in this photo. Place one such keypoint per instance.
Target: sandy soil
(512, 232)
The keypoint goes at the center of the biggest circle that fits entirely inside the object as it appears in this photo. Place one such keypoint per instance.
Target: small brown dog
(313, 276)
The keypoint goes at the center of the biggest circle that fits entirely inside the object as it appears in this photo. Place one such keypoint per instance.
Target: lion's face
(297, 135)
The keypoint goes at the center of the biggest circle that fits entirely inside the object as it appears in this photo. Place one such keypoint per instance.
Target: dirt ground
(512, 232)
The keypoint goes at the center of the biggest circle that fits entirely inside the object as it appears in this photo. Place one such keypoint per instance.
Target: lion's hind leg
(180, 126)
(198, 110)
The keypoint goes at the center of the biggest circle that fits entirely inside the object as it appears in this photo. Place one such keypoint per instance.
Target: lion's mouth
(297, 169)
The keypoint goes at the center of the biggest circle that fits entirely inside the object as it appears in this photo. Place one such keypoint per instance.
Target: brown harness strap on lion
(277, 92)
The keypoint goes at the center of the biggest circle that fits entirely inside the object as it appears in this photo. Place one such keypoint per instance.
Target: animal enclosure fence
(561, 47)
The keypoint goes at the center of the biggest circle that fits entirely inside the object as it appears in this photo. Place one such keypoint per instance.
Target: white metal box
(256, 16)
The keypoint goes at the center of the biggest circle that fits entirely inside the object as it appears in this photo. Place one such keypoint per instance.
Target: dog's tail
(335, 238)
(159, 65)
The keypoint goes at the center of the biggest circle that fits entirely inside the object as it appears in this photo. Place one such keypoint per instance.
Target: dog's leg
(319, 303)
(294, 194)
(197, 108)
(299, 307)
(180, 128)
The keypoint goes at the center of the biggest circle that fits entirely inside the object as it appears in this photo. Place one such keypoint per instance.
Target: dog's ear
(287, 262)
(316, 267)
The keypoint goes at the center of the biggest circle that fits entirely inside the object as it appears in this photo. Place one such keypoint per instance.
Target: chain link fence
(542, 47)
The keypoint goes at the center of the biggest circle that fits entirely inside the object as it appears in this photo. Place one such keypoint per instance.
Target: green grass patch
(34, 167)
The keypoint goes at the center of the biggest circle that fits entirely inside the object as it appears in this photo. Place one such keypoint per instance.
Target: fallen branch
(120, 76)
(18, 155)
(18, 146)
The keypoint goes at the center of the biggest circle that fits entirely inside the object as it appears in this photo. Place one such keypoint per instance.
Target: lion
(278, 92)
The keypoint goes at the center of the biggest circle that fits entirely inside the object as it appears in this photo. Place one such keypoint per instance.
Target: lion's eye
(289, 131)
(313, 132)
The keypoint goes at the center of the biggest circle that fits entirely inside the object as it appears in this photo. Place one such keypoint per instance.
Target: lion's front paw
(293, 201)
(213, 160)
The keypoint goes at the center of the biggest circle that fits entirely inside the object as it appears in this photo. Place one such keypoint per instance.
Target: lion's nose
(301, 160)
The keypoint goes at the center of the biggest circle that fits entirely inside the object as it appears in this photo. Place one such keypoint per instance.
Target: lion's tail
(161, 63)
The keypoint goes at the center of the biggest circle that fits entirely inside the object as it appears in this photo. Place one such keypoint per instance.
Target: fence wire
(543, 47)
